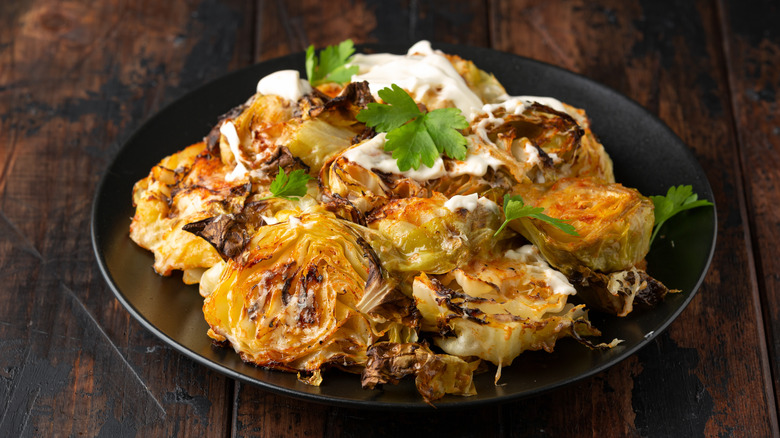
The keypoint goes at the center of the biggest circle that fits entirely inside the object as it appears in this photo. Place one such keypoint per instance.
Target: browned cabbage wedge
(618, 292)
(265, 171)
(260, 128)
(487, 170)
(435, 374)
(365, 189)
(290, 300)
(613, 224)
(554, 133)
(314, 141)
(427, 236)
(185, 187)
(498, 308)
(342, 109)
(591, 160)
(540, 144)
(536, 136)
(328, 125)
(229, 233)
(492, 185)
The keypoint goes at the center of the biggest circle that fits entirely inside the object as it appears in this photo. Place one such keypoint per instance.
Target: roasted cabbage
(328, 125)
(396, 273)
(497, 308)
(433, 236)
(618, 292)
(365, 188)
(613, 224)
(435, 374)
(289, 300)
(185, 187)
(540, 144)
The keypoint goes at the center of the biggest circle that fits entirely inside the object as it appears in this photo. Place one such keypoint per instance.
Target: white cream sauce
(421, 71)
(512, 105)
(228, 129)
(284, 83)
(530, 154)
(530, 255)
(546, 101)
(552, 103)
(269, 220)
(470, 203)
(477, 163)
(371, 154)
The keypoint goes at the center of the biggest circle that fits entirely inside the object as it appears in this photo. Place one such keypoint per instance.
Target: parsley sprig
(288, 186)
(677, 199)
(412, 135)
(515, 208)
(330, 65)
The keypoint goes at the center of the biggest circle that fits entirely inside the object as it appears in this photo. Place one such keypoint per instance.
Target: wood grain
(752, 50)
(288, 27)
(77, 77)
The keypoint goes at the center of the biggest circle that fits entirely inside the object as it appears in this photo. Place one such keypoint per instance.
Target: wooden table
(77, 77)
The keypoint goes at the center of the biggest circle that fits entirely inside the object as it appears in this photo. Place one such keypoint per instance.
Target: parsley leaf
(330, 65)
(411, 144)
(412, 135)
(437, 123)
(399, 109)
(677, 199)
(515, 208)
(289, 186)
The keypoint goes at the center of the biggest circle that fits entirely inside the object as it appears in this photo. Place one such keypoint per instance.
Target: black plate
(647, 156)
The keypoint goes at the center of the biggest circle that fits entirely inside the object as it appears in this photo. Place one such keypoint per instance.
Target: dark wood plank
(76, 77)
(406, 22)
(706, 374)
(288, 27)
(261, 414)
(752, 48)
